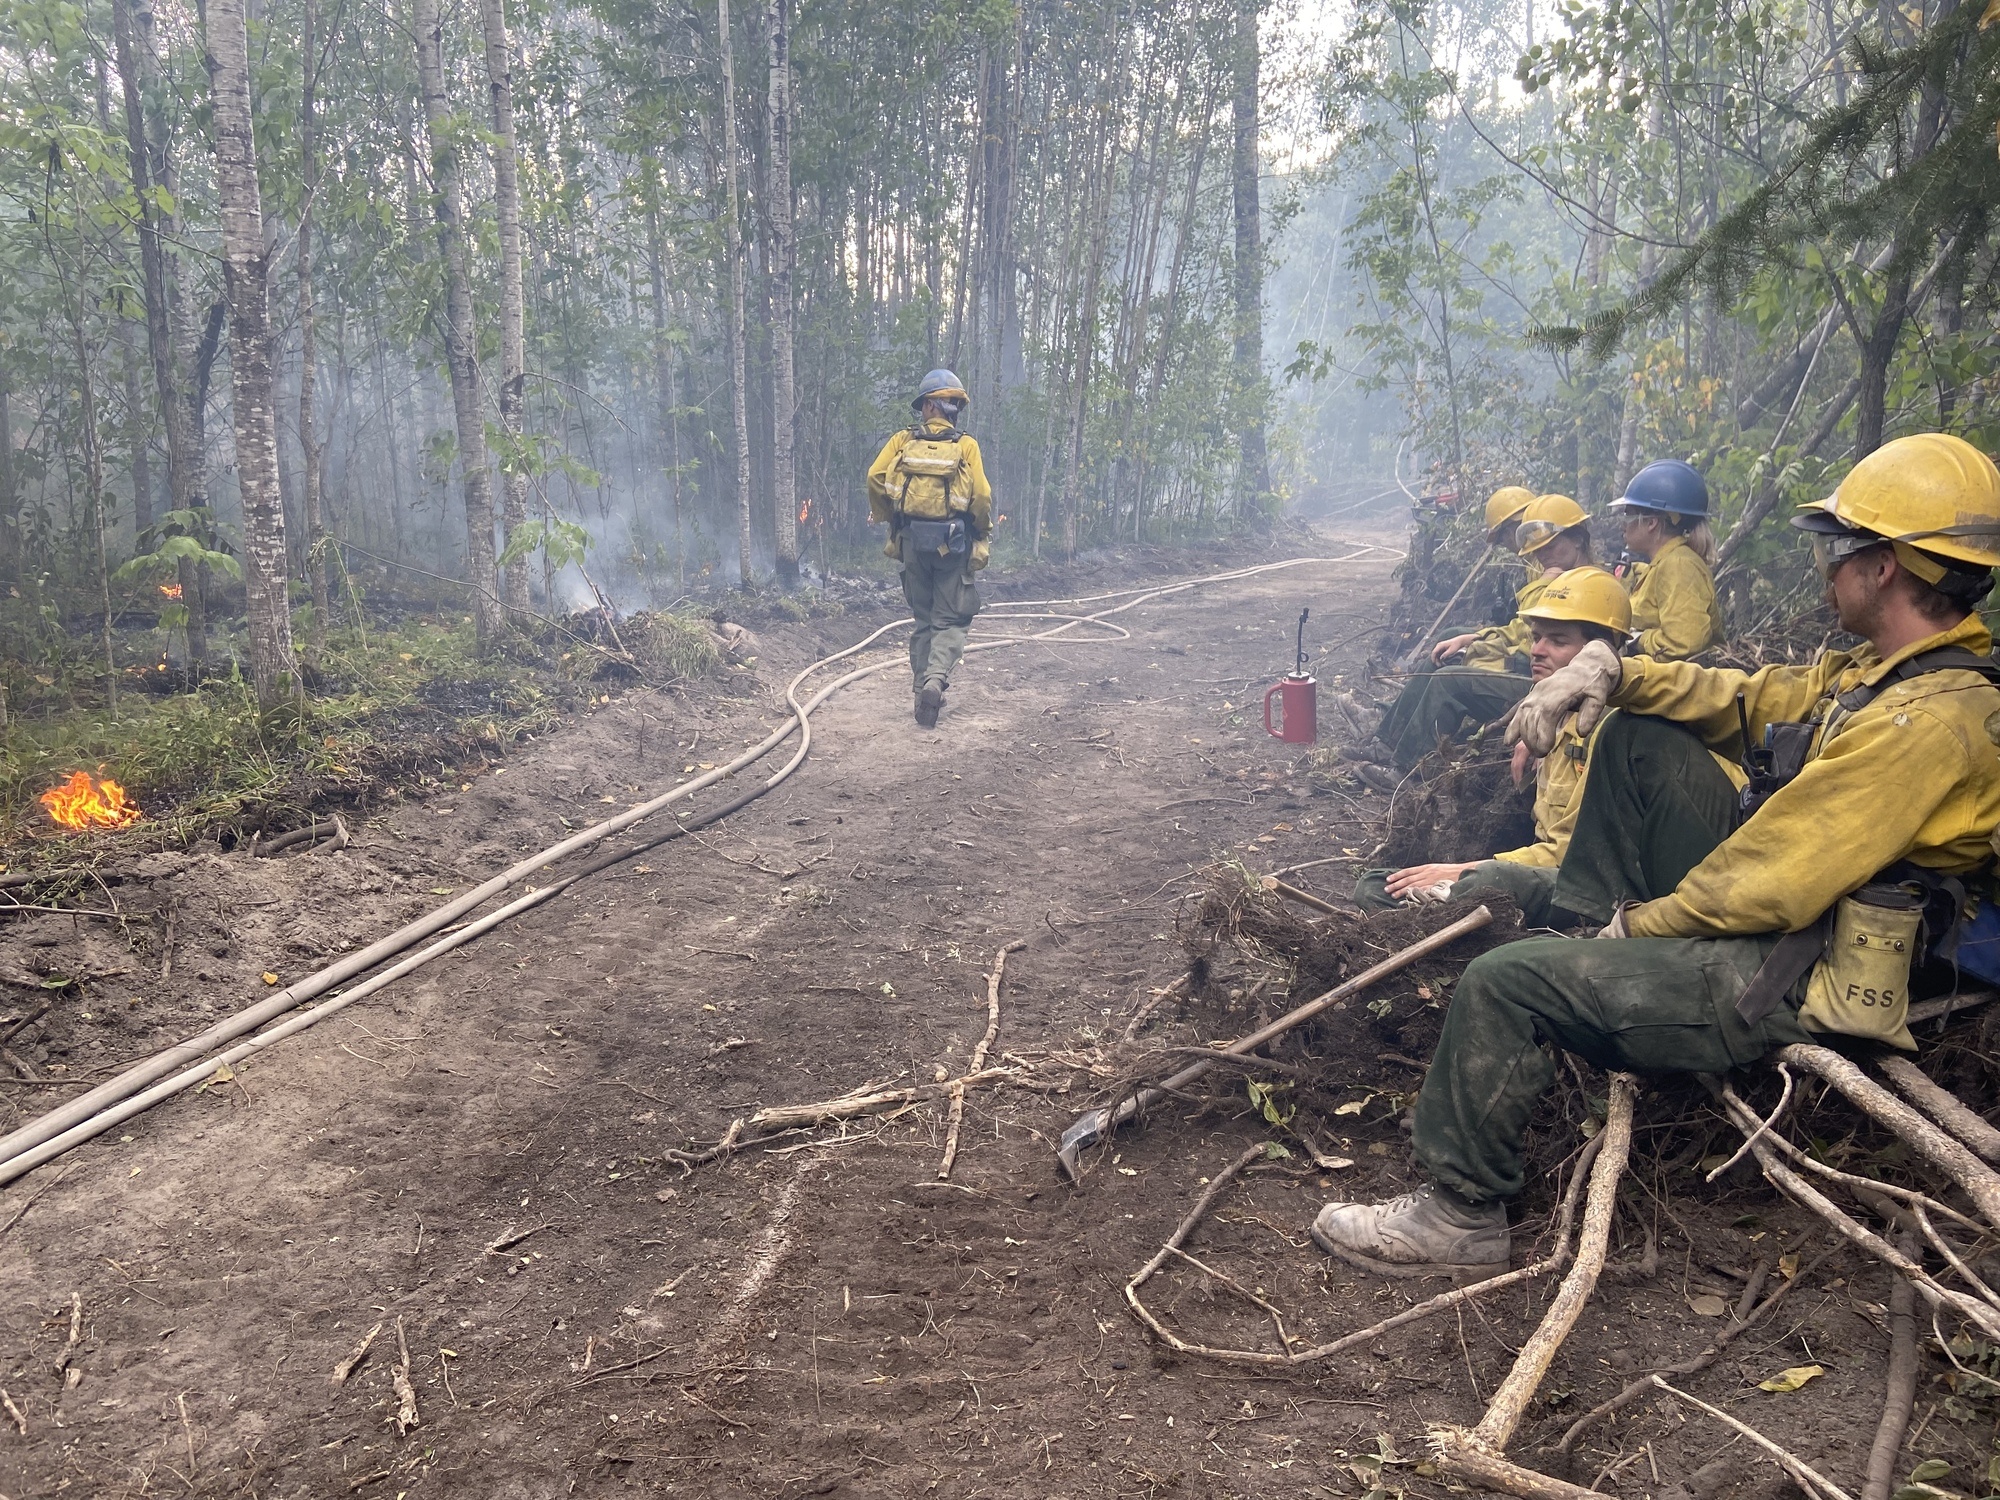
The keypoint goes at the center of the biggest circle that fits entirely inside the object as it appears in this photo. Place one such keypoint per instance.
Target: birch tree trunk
(461, 343)
(513, 337)
(132, 38)
(1253, 478)
(309, 444)
(273, 670)
(732, 234)
(784, 396)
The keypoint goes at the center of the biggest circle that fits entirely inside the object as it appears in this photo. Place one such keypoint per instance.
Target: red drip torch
(1298, 700)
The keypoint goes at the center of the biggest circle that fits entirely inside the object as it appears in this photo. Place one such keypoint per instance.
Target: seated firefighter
(1664, 511)
(1577, 607)
(929, 486)
(1880, 791)
(1553, 535)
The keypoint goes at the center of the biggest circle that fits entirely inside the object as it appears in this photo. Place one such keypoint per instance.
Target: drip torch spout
(1299, 668)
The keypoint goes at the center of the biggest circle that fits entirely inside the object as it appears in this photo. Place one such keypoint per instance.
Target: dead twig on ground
(511, 1237)
(956, 1111)
(1152, 1003)
(1637, 1388)
(353, 1361)
(780, 1118)
(406, 1393)
(14, 1412)
(1809, 1479)
(40, 1193)
(1443, 1302)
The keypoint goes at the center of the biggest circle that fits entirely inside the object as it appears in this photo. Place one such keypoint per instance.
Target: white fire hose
(189, 1063)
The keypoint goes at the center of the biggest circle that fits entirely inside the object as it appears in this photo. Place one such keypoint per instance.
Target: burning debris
(82, 805)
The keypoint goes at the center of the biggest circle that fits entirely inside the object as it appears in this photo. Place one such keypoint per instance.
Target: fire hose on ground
(189, 1063)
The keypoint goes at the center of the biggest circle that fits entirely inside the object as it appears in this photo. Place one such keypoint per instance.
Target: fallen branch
(1153, 1002)
(1809, 1479)
(784, 1117)
(1900, 1394)
(1443, 1302)
(1763, 1126)
(956, 1115)
(353, 1361)
(406, 1393)
(1950, 1111)
(1940, 1149)
(1792, 1185)
(1637, 1388)
(511, 1238)
(1304, 898)
(1479, 1455)
(1510, 1403)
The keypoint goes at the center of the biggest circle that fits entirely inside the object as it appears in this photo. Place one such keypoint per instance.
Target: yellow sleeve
(879, 509)
(981, 513)
(1558, 797)
(1495, 644)
(1704, 698)
(1674, 609)
(1867, 800)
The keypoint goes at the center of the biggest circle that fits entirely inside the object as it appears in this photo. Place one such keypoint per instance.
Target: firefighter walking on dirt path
(1735, 924)
(929, 486)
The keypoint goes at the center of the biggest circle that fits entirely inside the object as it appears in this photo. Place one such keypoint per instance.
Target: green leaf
(1929, 1469)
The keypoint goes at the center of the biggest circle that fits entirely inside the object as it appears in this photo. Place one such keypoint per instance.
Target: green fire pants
(943, 598)
(1645, 1005)
(1447, 704)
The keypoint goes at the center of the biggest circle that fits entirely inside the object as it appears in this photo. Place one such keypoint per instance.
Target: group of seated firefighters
(1768, 853)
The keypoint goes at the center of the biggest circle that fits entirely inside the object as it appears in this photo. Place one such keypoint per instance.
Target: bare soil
(816, 1315)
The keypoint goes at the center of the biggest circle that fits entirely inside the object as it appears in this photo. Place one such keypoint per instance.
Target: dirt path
(811, 1317)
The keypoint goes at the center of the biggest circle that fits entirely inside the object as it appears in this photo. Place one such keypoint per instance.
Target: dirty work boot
(930, 698)
(1426, 1233)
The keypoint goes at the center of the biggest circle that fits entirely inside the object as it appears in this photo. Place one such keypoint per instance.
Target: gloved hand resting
(1583, 686)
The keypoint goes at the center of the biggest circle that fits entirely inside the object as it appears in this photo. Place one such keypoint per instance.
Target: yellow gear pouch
(928, 479)
(1861, 986)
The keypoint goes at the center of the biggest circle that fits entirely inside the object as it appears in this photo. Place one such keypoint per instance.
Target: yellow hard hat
(1504, 504)
(1545, 519)
(1589, 595)
(1931, 492)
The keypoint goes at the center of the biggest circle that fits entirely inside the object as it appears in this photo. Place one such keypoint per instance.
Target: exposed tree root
(1559, 1256)
(1900, 1394)
(1477, 1455)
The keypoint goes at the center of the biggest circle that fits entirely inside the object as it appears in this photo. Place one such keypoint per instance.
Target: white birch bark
(273, 670)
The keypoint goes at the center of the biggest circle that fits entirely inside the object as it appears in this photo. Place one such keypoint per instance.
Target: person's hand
(1443, 651)
(1426, 882)
(1524, 764)
(1583, 687)
(1618, 926)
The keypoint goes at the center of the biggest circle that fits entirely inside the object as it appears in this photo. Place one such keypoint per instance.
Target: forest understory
(491, 1178)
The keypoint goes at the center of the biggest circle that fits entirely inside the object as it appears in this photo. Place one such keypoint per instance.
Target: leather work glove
(982, 552)
(1618, 927)
(1583, 686)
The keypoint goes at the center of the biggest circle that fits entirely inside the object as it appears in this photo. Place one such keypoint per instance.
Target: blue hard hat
(939, 385)
(1667, 485)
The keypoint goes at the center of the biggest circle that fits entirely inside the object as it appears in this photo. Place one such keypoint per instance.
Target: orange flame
(805, 509)
(171, 590)
(80, 805)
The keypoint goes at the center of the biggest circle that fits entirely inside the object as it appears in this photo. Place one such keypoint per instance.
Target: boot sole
(929, 702)
(1461, 1275)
